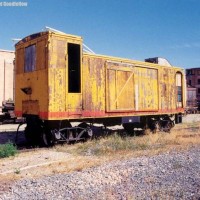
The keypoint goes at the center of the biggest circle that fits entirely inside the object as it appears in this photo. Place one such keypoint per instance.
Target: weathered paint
(30, 107)
(119, 88)
(36, 80)
(147, 81)
(110, 86)
(93, 85)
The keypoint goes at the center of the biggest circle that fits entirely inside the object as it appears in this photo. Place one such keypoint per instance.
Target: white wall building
(6, 75)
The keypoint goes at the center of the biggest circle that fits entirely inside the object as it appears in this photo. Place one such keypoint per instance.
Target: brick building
(6, 75)
(193, 79)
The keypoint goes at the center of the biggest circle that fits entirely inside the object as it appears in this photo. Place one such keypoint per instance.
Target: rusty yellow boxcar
(57, 83)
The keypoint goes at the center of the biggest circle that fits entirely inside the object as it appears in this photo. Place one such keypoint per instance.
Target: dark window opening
(198, 90)
(198, 82)
(74, 65)
(179, 93)
(179, 89)
(190, 82)
(190, 72)
(30, 58)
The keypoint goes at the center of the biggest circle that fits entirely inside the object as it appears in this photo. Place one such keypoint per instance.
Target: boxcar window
(179, 93)
(179, 89)
(74, 65)
(30, 58)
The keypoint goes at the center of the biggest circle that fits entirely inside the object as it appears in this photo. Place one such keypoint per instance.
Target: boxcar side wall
(94, 86)
(116, 88)
(65, 78)
(61, 82)
(31, 77)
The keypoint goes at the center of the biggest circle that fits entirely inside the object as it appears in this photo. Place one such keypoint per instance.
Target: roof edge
(8, 51)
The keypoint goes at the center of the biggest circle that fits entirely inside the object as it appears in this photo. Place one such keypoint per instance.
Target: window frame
(74, 67)
(30, 58)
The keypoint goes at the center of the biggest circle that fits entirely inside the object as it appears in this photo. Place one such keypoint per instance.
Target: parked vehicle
(56, 83)
(7, 115)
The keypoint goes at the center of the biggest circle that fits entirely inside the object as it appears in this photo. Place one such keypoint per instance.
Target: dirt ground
(43, 161)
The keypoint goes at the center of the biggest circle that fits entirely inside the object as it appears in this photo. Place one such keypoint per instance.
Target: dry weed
(96, 152)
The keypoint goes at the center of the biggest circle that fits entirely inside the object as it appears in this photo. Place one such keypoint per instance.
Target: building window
(198, 72)
(198, 90)
(190, 82)
(30, 58)
(198, 81)
(188, 72)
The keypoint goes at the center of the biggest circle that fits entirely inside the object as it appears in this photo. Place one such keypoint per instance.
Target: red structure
(193, 80)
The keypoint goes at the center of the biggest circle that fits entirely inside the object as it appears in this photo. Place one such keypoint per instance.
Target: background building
(191, 103)
(6, 75)
(193, 79)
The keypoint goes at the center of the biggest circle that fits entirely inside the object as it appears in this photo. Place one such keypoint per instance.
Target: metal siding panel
(147, 80)
(19, 61)
(120, 88)
(30, 107)
(125, 90)
(111, 88)
(57, 75)
(41, 55)
(164, 89)
(57, 90)
(93, 86)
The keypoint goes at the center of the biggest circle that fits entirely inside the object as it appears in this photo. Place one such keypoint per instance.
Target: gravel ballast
(171, 175)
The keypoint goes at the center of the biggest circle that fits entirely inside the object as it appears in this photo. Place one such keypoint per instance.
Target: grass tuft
(116, 146)
(112, 144)
(7, 150)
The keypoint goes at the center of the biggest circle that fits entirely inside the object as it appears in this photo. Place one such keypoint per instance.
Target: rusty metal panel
(30, 107)
(60, 100)
(119, 88)
(147, 86)
(57, 75)
(58, 52)
(167, 89)
(93, 86)
(111, 90)
(179, 90)
(74, 104)
(108, 89)
(36, 80)
(41, 54)
(19, 61)
(57, 90)
(61, 53)
(172, 90)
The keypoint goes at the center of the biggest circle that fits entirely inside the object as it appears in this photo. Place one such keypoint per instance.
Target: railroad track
(6, 136)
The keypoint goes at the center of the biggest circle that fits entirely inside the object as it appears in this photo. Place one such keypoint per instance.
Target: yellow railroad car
(56, 83)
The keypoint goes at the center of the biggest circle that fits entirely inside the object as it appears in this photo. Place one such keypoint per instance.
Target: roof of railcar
(108, 58)
(125, 61)
(40, 34)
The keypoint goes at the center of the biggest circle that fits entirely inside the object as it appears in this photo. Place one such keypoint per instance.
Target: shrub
(112, 144)
(7, 150)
